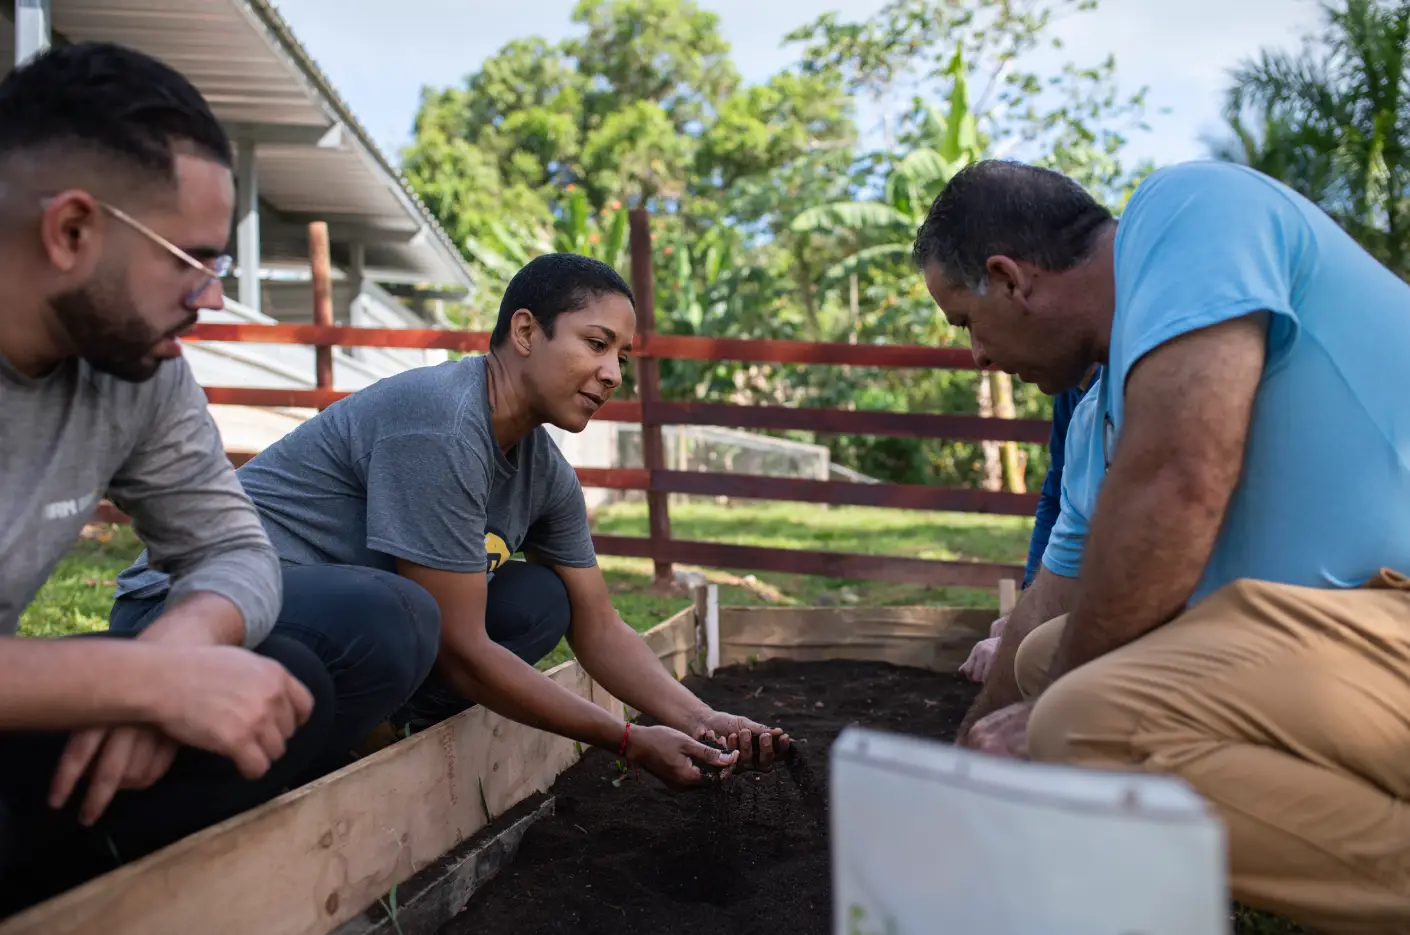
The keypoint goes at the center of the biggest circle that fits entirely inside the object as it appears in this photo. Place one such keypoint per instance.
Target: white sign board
(930, 839)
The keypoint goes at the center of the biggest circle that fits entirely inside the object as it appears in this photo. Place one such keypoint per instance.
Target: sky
(379, 55)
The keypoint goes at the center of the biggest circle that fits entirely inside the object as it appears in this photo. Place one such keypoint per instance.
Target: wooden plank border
(937, 638)
(309, 861)
(447, 886)
(314, 860)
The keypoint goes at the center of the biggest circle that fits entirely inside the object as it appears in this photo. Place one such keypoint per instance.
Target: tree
(546, 145)
(1073, 122)
(1332, 121)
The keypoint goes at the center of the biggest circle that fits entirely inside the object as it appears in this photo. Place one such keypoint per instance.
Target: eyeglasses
(215, 270)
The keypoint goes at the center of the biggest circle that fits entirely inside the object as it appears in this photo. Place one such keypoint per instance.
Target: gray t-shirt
(409, 468)
(69, 437)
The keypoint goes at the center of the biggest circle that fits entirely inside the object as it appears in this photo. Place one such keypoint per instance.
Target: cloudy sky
(380, 54)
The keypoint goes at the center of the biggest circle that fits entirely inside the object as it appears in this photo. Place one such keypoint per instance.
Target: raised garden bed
(622, 853)
(404, 840)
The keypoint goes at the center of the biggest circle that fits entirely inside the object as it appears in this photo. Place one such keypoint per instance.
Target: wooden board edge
(84, 910)
(176, 879)
(455, 878)
(936, 638)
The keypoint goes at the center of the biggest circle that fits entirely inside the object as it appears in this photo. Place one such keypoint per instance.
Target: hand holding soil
(759, 746)
(671, 756)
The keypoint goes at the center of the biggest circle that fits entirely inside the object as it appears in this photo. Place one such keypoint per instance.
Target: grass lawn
(79, 594)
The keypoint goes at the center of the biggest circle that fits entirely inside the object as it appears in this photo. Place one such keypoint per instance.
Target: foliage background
(776, 215)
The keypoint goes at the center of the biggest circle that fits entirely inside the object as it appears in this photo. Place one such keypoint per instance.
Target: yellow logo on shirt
(496, 551)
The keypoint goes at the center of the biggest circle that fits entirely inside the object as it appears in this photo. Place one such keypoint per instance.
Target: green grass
(1251, 922)
(79, 594)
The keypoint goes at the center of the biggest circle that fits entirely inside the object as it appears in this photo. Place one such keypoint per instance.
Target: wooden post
(1008, 595)
(321, 262)
(1004, 409)
(648, 382)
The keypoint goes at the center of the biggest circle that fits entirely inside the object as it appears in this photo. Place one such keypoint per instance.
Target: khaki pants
(1287, 708)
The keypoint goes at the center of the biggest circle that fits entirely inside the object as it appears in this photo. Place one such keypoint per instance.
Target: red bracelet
(626, 732)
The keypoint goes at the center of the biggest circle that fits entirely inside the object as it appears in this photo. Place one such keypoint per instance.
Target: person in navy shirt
(1050, 498)
(976, 666)
(1236, 610)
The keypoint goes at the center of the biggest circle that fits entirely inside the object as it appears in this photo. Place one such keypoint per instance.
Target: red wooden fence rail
(652, 413)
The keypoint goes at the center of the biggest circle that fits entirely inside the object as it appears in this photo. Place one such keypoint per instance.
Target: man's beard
(105, 329)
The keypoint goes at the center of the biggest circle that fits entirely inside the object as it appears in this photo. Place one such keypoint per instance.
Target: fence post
(648, 383)
(321, 263)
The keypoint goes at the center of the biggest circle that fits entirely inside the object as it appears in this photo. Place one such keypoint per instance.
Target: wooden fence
(652, 413)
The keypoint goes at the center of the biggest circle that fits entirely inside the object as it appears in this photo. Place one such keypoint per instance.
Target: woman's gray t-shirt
(408, 468)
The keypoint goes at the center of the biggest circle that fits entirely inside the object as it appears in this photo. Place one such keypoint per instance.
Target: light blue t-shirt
(1082, 473)
(1324, 498)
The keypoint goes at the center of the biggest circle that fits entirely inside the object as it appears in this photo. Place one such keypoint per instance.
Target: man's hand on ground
(748, 737)
(672, 756)
(976, 667)
(1001, 733)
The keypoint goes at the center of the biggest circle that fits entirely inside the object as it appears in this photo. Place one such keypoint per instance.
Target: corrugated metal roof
(244, 58)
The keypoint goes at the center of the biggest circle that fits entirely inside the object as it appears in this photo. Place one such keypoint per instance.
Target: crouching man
(116, 196)
(1241, 619)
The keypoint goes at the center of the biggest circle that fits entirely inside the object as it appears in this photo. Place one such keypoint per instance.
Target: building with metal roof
(302, 156)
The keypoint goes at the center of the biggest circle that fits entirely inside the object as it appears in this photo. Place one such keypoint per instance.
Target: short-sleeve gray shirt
(409, 468)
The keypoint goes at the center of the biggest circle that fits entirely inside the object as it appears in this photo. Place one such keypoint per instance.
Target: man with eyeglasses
(116, 199)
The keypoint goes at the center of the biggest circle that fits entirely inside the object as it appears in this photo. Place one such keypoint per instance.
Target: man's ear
(70, 230)
(1007, 275)
(523, 329)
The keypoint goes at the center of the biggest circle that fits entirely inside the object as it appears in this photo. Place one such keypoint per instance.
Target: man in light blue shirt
(1240, 616)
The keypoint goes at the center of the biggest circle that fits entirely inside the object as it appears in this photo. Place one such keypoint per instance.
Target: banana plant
(602, 236)
(949, 141)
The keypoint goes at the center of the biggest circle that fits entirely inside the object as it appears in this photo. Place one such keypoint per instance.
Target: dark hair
(555, 283)
(998, 208)
(118, 101)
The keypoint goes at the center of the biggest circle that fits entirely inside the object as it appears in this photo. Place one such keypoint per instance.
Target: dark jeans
(44, 852)
(526, 611)
(375, 632)
(378, 634)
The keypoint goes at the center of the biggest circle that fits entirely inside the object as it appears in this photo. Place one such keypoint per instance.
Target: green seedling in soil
(390, 905)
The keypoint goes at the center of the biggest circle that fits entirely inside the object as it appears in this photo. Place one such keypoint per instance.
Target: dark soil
(746, 857)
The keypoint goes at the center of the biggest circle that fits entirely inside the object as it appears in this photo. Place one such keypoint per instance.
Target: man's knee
(1083, 719)
(1034, 659)
(527, 610)
(309, 740)
(383, 625)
